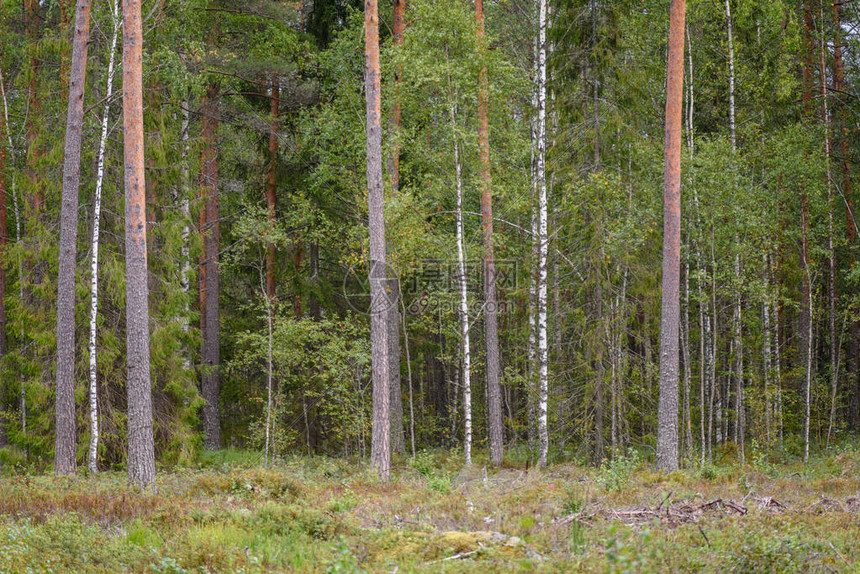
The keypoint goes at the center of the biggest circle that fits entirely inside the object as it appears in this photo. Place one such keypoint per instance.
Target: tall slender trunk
(464, 311)
(739, 347)
(34, 106)
(398, 437)
(832, 296)
(92, 454)
(777, 360)
(395, 400)
(667, 430)
(211, 240)
(731, 42)
(491, 328)
(543, 238)
(64, 452)
(766, 353)
(271, 185)
(850, 222)
(4, 154)
(270, 319)
(408, 370)
(141, 448)
(185, 210)
(22, 399)
(380, 444)
(685, 338)
(806, 283)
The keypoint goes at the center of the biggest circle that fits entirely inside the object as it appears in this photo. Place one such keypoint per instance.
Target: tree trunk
(271, 187)
(667, 430)
(491, 328)
(543, 238)
(398, 436)
(380, 445)
(397, 29)
(92, 455)
(464, 310)
(850, 222)
(832, 296)
(64, 452)
(141, 448)
(685, 338)
(211, 240)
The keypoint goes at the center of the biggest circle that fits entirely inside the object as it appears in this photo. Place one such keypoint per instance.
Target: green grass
(319, 514)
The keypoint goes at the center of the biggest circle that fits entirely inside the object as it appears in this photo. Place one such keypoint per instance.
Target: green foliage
(614, 474)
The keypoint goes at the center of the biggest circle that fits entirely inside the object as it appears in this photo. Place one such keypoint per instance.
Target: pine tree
(667, 429)
(141, 447)
(66, 429)
(379, 297)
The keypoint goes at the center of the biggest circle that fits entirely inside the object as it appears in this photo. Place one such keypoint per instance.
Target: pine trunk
(491, 327)
(64, 452)
(141, 448)
(667, 430)
(380, 445)
(211, 241)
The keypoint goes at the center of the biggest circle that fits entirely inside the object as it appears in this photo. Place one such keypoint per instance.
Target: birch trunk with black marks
(92, 453)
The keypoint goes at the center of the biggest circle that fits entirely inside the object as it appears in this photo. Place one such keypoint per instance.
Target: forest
(431, 285)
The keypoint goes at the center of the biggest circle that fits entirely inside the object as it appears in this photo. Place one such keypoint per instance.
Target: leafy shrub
(615, 474)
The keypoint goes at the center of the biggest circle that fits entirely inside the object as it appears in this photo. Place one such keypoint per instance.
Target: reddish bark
(211, 291)
(380, 456)
(667, 430)
(141, 447)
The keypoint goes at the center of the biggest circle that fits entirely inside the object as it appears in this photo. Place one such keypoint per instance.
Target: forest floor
(230, 514)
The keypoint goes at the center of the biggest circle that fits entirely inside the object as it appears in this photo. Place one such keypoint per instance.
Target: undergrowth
(227, 513)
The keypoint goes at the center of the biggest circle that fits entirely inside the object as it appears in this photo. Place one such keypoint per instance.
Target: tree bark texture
(667, 430)
(380, 454)
(92, 454)
(211, 240)
(491, 325)
(141, 448)
(543, 237)
(66, 427)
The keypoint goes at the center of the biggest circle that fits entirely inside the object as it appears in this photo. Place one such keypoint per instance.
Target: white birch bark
(464, 314)
(733, 134)
(543, 375)
(185, 210)
(531, 355)
(766, 349)
(92, 454)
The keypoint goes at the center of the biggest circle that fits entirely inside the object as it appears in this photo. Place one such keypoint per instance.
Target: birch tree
(92, 452)
(543, 239)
